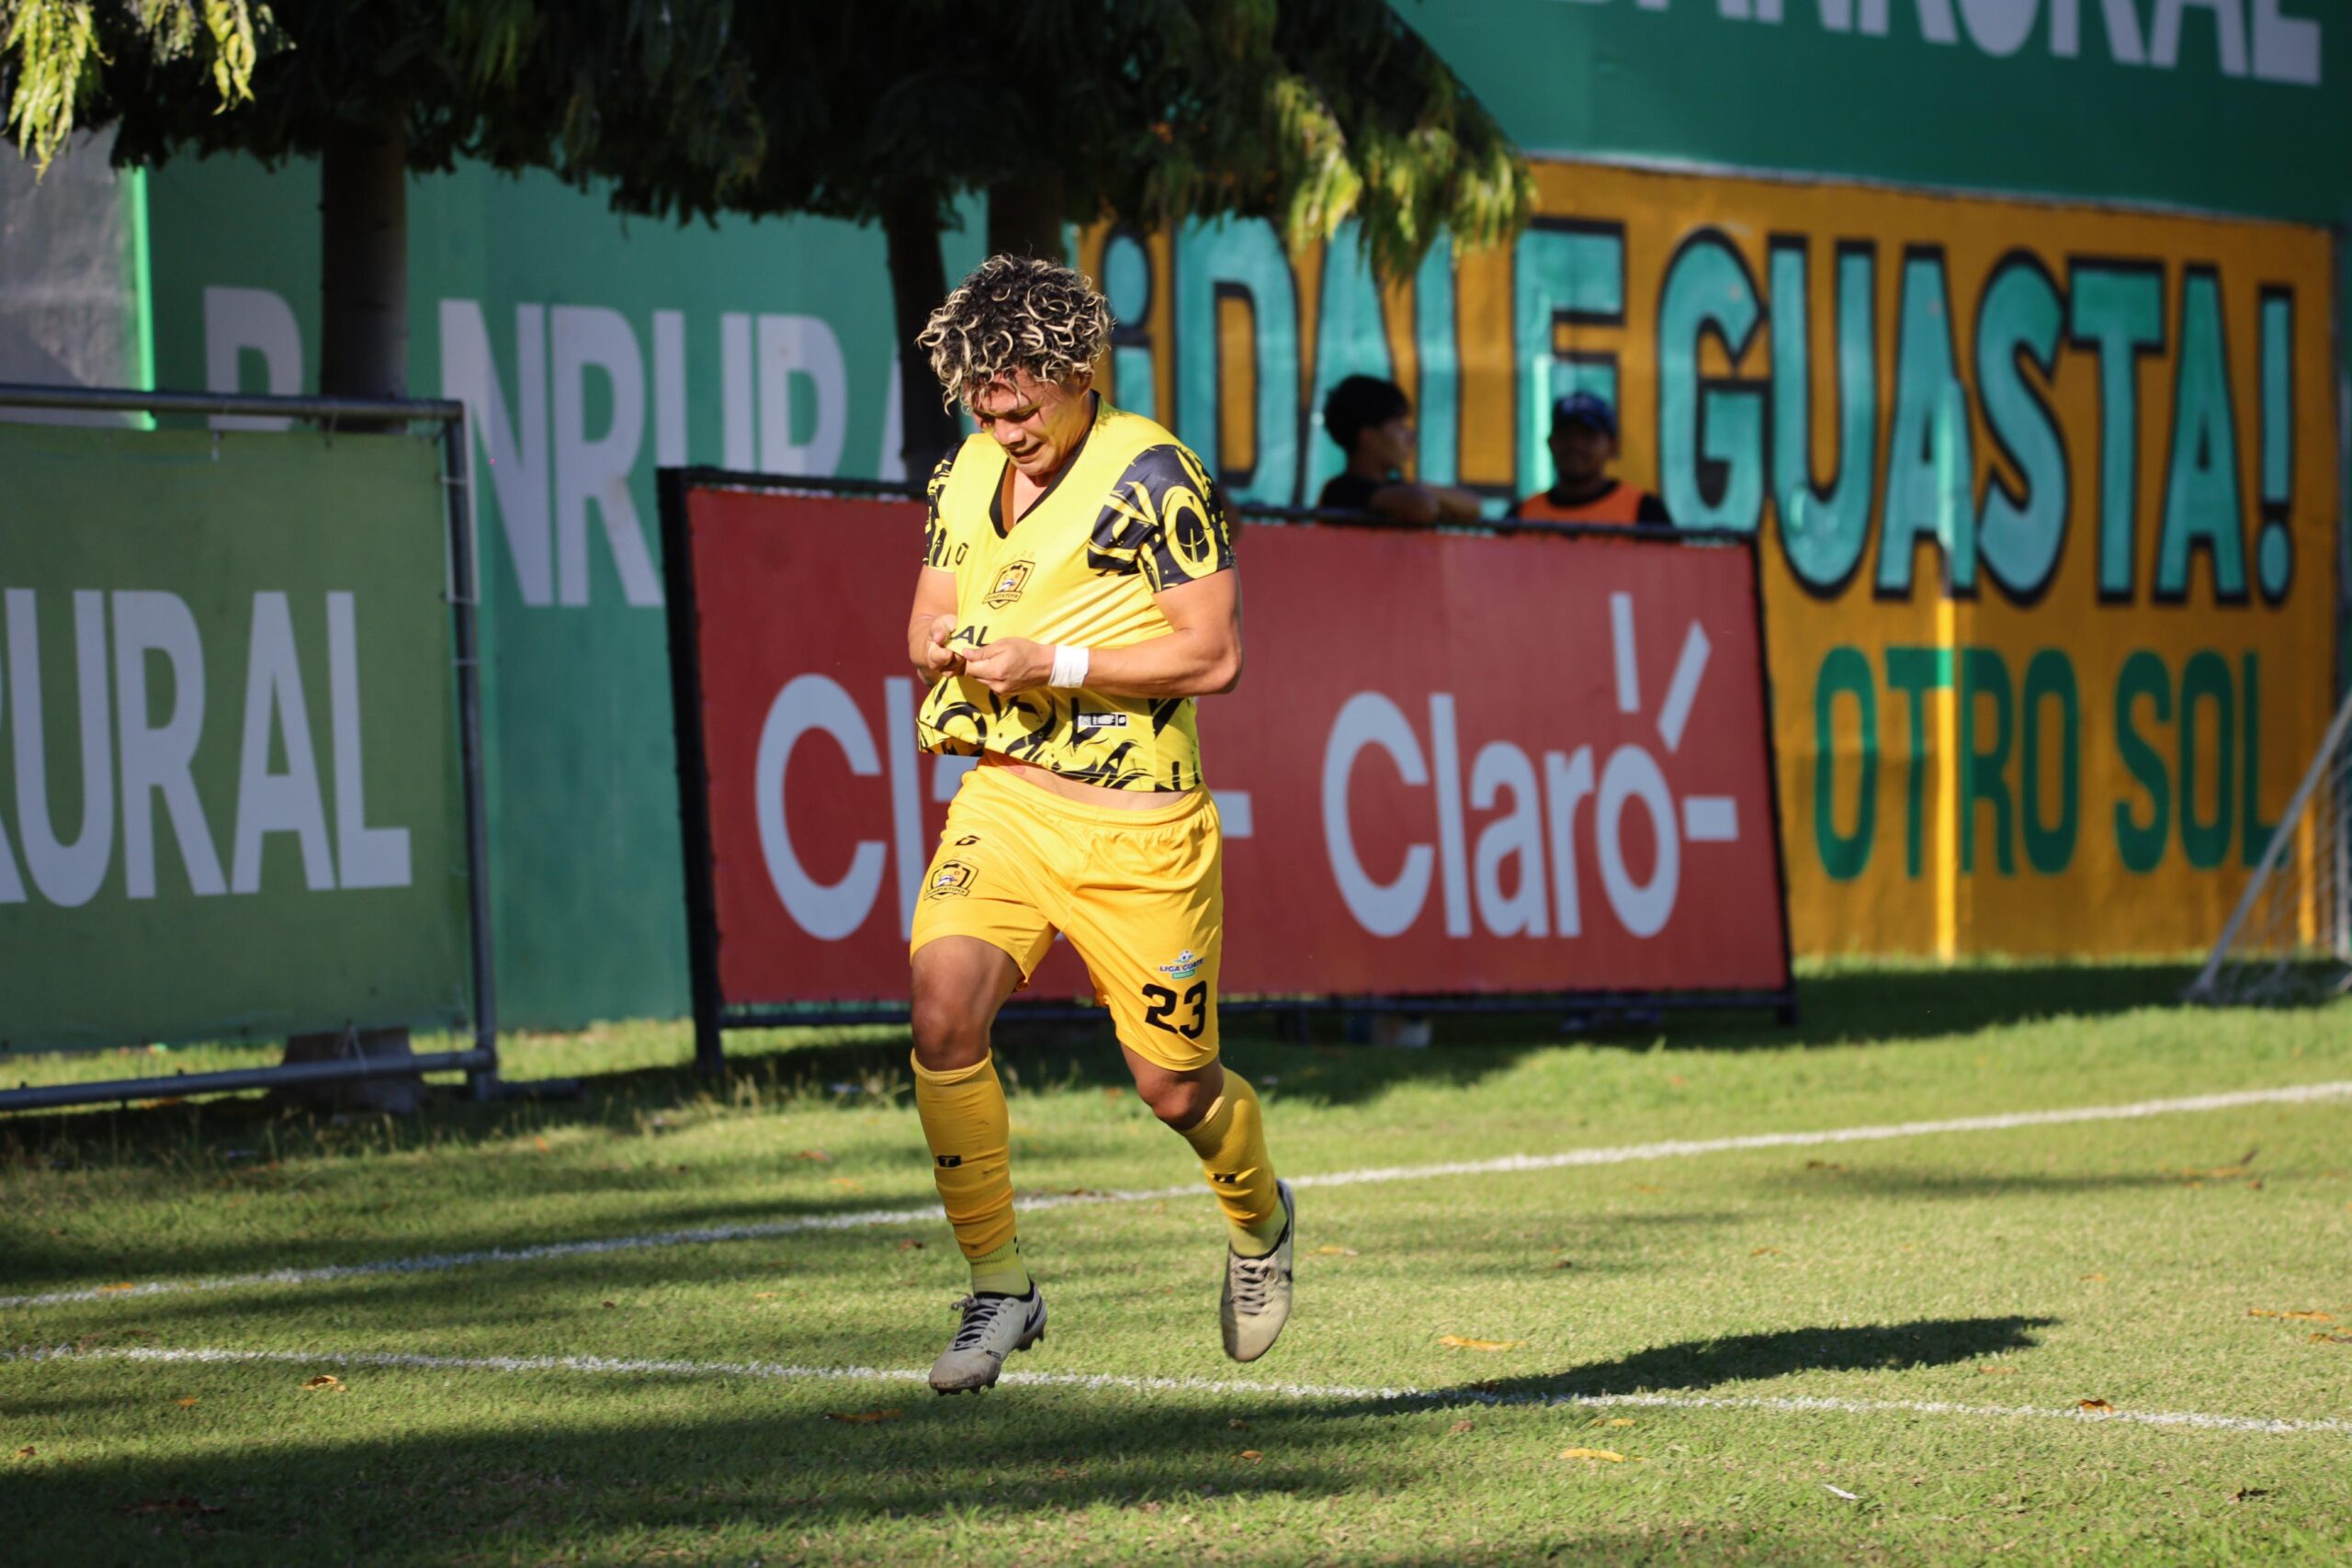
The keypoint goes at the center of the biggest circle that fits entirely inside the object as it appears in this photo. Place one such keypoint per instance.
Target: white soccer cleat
(1257, 1291)
(993, 1327)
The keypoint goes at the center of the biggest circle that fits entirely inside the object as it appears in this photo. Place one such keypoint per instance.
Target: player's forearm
(1187, 662)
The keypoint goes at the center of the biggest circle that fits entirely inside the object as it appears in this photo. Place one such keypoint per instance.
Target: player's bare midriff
(1091, 794)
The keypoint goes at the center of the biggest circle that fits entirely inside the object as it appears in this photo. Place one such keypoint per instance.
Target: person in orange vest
(1584, 443)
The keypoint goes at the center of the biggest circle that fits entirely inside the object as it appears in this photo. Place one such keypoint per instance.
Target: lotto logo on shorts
(1009, 584)
(953, 879)
(1102, 721)
(949, 1162)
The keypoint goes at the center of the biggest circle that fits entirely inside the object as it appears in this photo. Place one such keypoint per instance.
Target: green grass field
(1864, 1350)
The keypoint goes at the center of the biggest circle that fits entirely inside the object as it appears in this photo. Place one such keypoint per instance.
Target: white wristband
(1069, 666)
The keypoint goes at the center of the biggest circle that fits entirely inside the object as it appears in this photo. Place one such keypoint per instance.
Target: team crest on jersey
(1009, 584)
(1187, 964)
(952, 879)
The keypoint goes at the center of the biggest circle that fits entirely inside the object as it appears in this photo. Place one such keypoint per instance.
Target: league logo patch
(1009, 584)
(1101, 721)
(1187, 964)
(952, 880)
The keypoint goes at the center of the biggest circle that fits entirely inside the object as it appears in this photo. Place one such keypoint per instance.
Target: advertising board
(231, 802)
(1457, 764)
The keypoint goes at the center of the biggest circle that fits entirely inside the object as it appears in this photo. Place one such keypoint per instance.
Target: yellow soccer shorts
(1139, 894)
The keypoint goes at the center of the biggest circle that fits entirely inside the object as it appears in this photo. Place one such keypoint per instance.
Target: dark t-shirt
(1349, 493)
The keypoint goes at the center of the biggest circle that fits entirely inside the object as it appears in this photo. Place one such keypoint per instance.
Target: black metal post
(694, 778)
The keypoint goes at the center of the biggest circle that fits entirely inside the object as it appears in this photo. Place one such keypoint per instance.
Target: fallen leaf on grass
(1564, 1263)
(1458, 1342)
(1610, 1421)
(126, 1285)
(1841, 1491)
(908, 1244)
(2095, 1279)
(1328, 1251)
(1647, 1186)
(2243, 1492)
(1607, 1456)
(611, 1303)
(1823, 1164)
(542, 1145)
(1766, 1252)
(1456, 1429)
(1238, 1425)
(327, 1381)
(843, 1182)
(764, 1295)
(863, 1417)
(27, 1453)
(184, 1403)
(2332, 1339)
(1998, 1371)
(2093, 1404)
(1252, 1455)
(817, 1157)
(173, 1506)
(2291, 1316)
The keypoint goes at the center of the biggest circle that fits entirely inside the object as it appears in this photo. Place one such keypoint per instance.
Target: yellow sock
(969, 1130)
(1231, 1141)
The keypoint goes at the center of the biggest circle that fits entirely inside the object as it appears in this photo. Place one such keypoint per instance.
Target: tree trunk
(363, 352)
(362, 257)
(918, 283)
(1025, 217)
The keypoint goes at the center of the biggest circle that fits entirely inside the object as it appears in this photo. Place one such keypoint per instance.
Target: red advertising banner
(1457, 763)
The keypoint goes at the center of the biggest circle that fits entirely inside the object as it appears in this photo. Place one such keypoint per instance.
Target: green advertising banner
(592, 349)
(230, 801)
(2228, 106)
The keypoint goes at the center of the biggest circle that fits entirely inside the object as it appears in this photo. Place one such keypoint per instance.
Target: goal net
(2290, 939)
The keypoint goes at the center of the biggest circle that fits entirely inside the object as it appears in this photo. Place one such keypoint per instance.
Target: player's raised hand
(932, 652)
(1010, 665)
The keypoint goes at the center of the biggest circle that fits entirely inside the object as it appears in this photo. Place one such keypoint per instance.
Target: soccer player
(1078, 593)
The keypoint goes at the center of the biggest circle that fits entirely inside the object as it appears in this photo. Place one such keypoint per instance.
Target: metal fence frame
(481, 1063)
(712, 1016)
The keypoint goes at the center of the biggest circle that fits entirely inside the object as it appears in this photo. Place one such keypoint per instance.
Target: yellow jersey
(1130, 514)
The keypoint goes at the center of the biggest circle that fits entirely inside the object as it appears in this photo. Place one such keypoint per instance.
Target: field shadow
(1691, 1365)
(752, 1456)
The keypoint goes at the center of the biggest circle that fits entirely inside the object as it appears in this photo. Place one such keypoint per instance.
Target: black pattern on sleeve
(1165, 518)
(936, 550)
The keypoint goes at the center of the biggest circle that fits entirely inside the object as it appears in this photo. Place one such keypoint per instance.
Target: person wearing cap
(1584, 443)
(1372, 421)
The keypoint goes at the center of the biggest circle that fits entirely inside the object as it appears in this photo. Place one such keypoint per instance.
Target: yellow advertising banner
(2047, 499)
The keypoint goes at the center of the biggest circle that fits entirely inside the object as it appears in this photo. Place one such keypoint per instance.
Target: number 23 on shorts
(1164, 1002)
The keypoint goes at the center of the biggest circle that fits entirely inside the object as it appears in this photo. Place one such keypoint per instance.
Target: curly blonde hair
(1015, 313)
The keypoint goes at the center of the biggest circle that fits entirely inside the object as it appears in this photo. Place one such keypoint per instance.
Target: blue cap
(1584, 408)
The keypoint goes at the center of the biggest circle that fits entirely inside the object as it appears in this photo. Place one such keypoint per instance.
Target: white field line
(1402, 1398)
(436, 1262)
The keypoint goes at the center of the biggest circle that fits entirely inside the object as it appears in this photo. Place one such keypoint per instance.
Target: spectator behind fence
(1584, 443)
(1372, 420)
